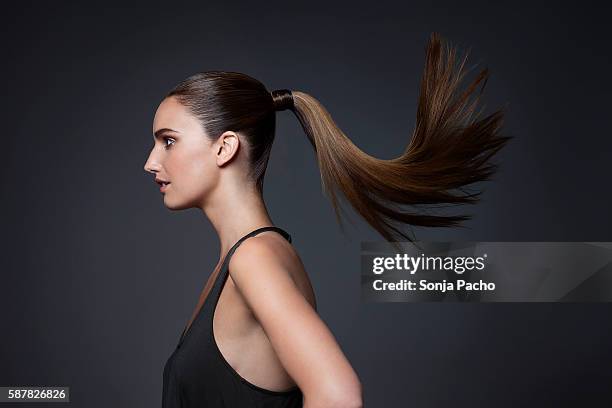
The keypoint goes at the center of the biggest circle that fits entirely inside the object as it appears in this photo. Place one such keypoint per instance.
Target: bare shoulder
(269, 276)
(269, 257)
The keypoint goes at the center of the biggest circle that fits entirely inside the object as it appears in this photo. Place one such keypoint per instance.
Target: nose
(152, 165)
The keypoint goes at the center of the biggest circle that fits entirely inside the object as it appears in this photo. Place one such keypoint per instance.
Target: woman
(255, 338)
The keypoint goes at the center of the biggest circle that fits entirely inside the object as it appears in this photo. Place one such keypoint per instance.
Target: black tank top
(197, 375)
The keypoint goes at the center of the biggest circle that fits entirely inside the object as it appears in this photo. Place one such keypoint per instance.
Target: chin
(171, 205)
(175, 205)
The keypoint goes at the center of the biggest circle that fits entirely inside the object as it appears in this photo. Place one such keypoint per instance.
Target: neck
(234, 214)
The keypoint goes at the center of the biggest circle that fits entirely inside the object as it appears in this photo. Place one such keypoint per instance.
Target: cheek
(194, 174)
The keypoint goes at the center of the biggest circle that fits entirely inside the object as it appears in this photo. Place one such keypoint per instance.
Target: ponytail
(449, 149)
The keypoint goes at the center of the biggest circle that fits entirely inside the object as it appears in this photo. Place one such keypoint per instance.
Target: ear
(226, 147)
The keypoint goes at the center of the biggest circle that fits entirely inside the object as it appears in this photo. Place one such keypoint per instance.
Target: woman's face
(182, 155)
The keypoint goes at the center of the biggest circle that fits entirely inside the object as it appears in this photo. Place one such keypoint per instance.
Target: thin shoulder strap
(224, 267)
(259, 230)
(281, 231)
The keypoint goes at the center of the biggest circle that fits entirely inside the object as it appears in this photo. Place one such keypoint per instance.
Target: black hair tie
(283, 99)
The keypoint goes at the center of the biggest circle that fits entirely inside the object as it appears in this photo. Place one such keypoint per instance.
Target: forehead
(174, 115)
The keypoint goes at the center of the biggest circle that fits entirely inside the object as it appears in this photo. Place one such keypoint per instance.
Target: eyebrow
(161, 131)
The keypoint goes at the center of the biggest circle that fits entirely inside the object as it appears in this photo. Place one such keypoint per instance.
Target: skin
(267, 305)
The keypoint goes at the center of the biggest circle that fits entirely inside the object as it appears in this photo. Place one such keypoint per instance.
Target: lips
(163, 187)
(163, 184)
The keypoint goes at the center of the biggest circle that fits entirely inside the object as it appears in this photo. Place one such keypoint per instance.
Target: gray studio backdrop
(99, 278)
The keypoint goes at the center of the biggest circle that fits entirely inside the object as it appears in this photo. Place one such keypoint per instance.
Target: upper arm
(305, 346)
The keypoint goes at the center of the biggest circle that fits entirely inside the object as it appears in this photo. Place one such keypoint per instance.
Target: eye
(166, 146)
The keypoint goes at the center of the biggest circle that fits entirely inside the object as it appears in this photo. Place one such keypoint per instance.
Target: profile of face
(185, 157)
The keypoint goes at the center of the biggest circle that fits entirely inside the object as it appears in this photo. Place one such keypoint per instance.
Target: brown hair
(450, 147)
